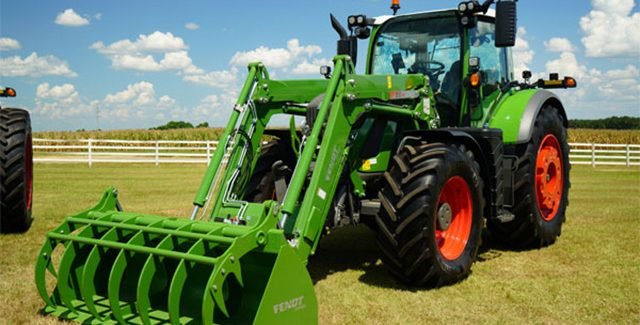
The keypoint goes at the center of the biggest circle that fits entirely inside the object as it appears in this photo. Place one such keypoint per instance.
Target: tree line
(172, 125)
(612, 123)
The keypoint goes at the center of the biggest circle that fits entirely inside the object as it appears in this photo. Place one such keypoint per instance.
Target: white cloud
(305, 67)
(292, 60)
(170, 53)
(208, 106)
(522, 52)
(136, 106)
(154, 42)
(59, 101)
(599, 93)
(213, 108)
(557, 44)
(34, 66)
(133, 62)
(177, 61)
(278, 57)
(8, 44)
(171, 61)
(191, 26)
(70, 18)
(629, 71)
(139, 92)
(167, 101)
(217, 79)
(618, 84)
(567, 65)
(98, 16)
(611, 29)
(160, 42)
(136, 103)
(58, 92)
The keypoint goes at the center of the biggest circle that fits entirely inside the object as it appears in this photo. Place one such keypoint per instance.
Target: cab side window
(494, 66)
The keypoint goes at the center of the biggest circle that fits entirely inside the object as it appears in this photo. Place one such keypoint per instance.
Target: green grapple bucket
(117, 267)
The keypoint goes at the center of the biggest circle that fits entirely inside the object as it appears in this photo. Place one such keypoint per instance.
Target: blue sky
(137, 64)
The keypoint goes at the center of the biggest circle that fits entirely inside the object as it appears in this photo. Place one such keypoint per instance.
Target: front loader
(436, 140)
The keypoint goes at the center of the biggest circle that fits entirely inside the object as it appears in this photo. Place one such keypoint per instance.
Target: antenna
(98, 117)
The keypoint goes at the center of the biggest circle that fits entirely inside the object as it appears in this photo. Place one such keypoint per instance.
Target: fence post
(89, 150)
(628, 155)
(593, 155)
(157, 153)
(208, 153)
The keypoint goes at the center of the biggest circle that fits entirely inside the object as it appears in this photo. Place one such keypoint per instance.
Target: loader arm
(347, 98)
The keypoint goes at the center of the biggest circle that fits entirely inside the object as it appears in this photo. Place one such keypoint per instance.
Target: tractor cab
(464, 66)
(465, 53)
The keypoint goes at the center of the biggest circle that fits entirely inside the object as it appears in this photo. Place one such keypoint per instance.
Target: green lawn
(591, 275)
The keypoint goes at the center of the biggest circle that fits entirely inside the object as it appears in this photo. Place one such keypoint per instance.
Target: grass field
(591, 275)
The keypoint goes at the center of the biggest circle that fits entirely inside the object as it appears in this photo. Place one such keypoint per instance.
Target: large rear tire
(541, 186)
(430, 220)
(16, 168)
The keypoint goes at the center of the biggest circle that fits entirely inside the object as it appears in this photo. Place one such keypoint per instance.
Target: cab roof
(383, 19)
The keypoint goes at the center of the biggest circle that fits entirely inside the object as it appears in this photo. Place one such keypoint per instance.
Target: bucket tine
(175, 291)
(87, 289)
(189, 274)
(72, 264)
(214, 297)
(130, 263)
(155, 269)
(44, 264)
(102, 256)
(144, 285)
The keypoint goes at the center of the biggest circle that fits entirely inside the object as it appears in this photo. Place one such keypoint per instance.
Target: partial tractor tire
(261, 186)
(541, 186)
(430, 220)
(16, 168)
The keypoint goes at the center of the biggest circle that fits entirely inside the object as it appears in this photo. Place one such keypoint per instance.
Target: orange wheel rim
(454, 216)
(549, 178)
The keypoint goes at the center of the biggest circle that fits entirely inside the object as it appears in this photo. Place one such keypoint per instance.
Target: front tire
(16, 164)
(430, 220)
(542, 186)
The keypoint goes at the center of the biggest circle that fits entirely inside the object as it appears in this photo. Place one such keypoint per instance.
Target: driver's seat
(447, 106)
(451, 83)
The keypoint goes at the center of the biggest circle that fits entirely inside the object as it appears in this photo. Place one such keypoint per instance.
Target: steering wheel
(431, 68)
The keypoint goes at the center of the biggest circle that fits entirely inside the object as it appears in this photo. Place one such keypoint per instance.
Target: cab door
(494, 68)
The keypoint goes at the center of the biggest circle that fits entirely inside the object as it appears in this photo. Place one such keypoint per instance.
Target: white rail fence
(92, 151)
(596, 154)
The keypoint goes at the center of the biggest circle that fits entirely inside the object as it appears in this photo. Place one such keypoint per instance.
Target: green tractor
(436, 141)
(16, 168)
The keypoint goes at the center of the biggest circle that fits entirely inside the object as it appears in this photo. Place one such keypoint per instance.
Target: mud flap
(289, 297)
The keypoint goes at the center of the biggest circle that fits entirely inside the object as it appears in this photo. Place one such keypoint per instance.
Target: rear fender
(516, 114)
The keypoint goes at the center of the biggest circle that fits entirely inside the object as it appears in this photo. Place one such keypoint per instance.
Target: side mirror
(506, 23)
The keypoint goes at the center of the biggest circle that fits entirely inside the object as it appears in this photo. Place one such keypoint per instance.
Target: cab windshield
(429, 45)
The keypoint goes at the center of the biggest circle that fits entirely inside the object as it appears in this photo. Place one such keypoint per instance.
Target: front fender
(516, 114)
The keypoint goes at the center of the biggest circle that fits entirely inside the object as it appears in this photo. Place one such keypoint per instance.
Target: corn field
(203, 134)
